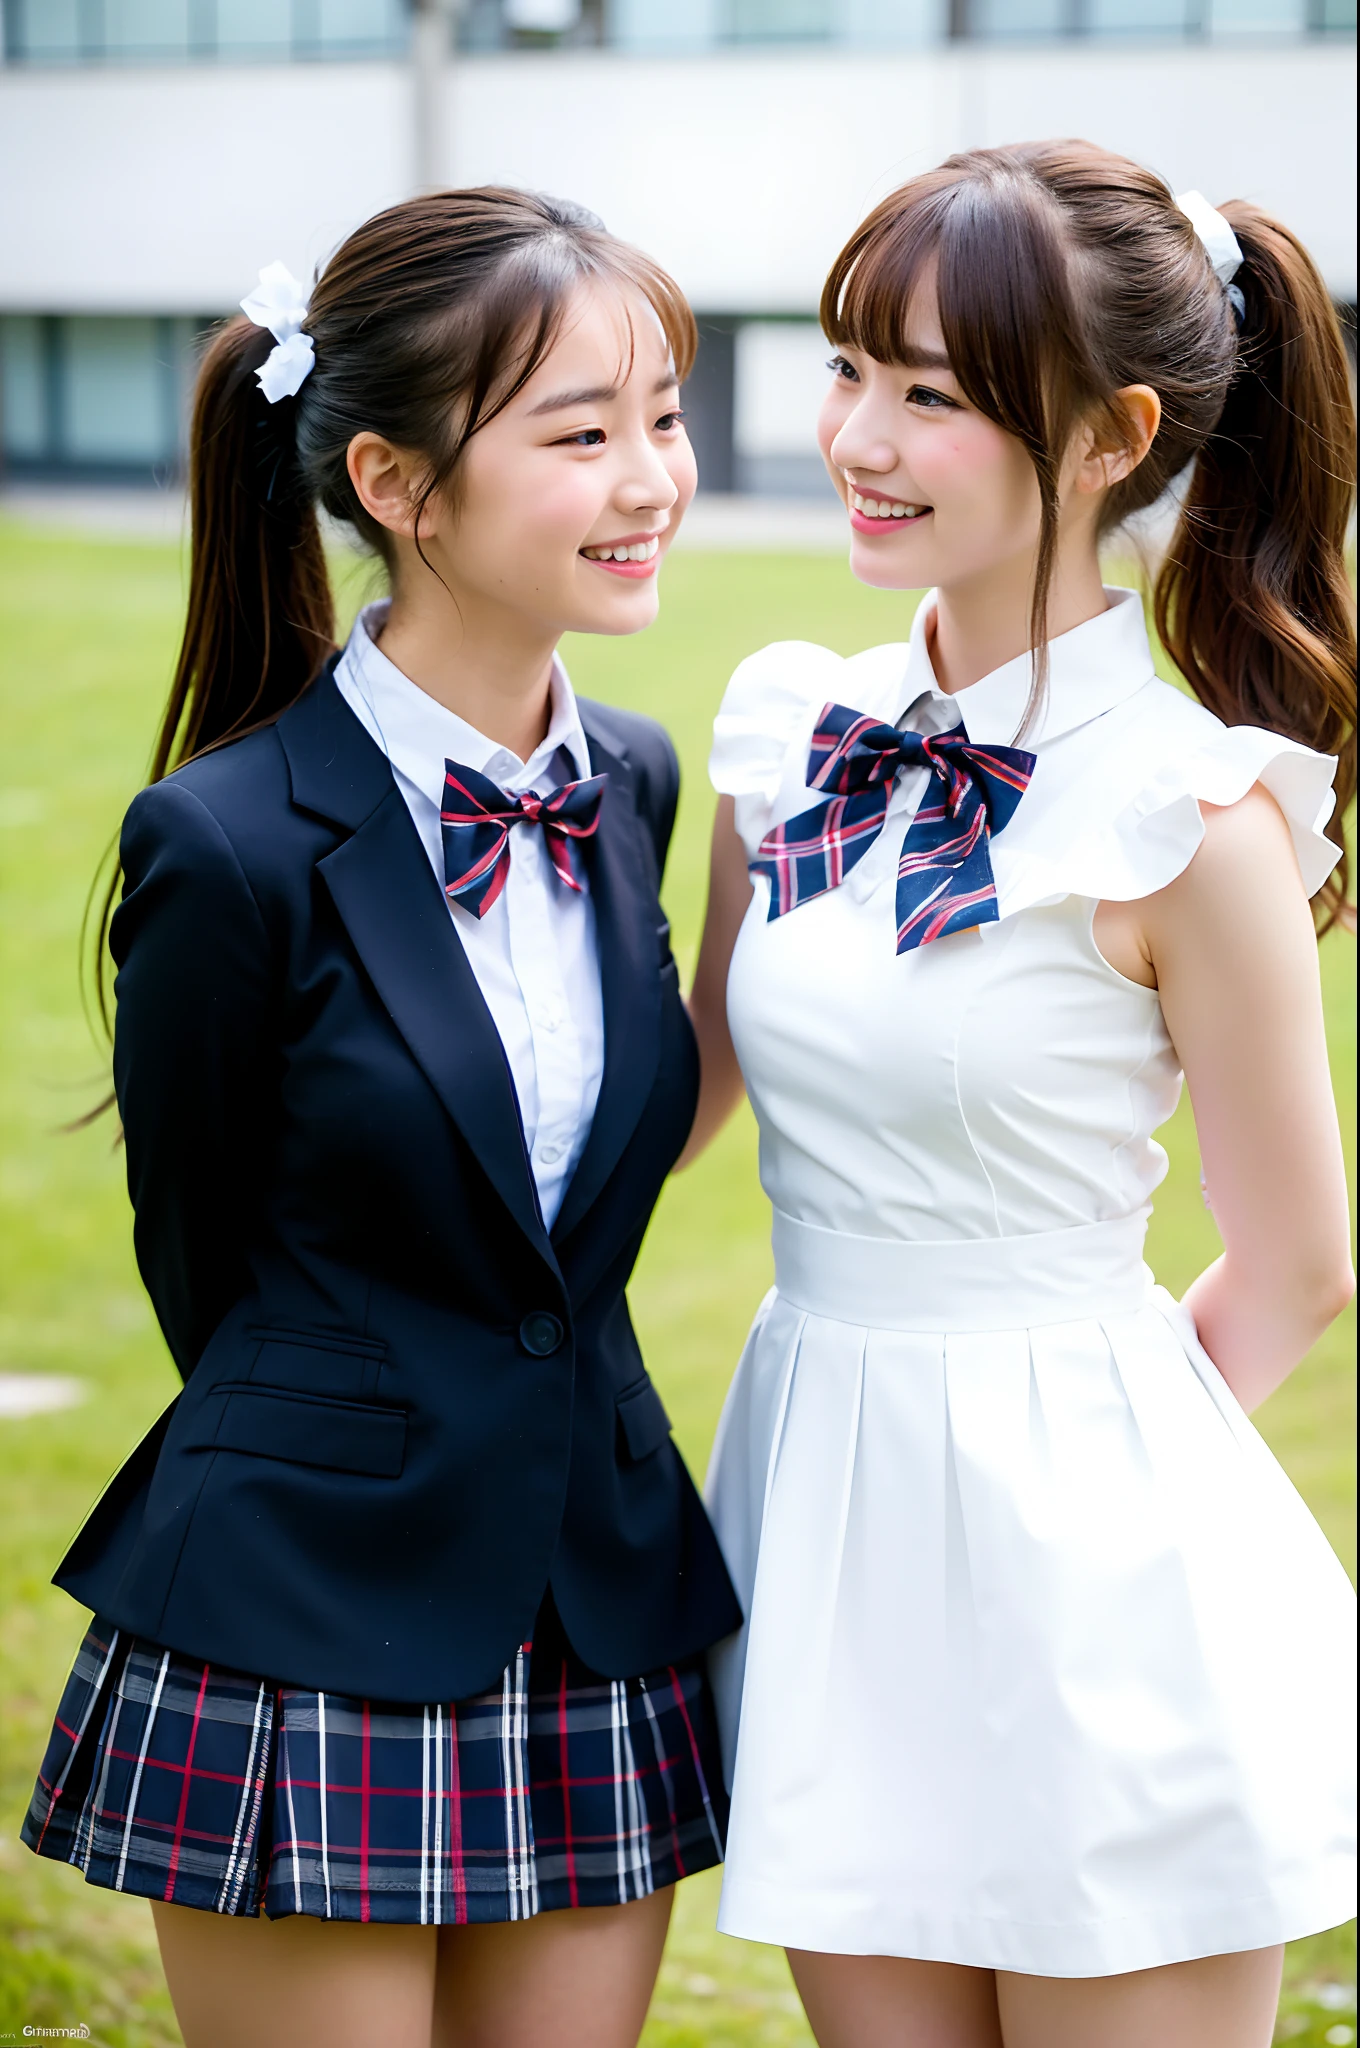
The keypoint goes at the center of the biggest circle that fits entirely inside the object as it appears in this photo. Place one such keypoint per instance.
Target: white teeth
(633, 551)
(876, 508)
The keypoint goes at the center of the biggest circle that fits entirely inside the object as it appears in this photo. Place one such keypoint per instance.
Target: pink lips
(635, 569)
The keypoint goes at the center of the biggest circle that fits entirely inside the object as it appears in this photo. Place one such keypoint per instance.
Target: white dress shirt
(535, 952)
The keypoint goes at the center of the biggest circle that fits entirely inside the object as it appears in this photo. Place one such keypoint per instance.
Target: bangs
(992, 247)
(665, 298)
(522, 315)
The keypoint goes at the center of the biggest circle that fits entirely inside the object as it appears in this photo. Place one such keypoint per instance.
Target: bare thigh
(1216, 2002)
(892, 2002)
(577, 1979)
(296, 1983)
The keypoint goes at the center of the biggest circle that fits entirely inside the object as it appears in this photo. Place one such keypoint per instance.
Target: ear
(1111, 454)
(387, 482)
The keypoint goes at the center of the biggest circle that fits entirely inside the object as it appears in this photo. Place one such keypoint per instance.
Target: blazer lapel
(625, 926)
(386, 894)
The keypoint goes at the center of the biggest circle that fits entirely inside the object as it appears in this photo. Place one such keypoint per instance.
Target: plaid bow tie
(477, 817)
(944, 877)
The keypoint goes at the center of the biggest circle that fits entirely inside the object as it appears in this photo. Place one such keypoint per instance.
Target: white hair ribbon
(278, 303)
(1223, 248)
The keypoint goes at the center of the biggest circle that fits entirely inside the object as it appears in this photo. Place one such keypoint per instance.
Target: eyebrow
(595, 394)
(923, 359)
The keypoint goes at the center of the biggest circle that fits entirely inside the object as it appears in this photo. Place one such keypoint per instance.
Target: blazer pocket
(646, 1424)
(301, 1429)
(341, 1368)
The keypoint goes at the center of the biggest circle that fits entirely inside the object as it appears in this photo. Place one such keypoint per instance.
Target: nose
(861, 443)
(857, 446)
(649, 485)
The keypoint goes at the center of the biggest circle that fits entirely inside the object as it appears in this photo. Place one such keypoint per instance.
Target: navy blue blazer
(408, 1408)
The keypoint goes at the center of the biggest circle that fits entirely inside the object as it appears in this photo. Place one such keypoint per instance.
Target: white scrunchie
(279, 303)
(1224, 249)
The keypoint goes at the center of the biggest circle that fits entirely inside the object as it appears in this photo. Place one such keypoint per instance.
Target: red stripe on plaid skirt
(679, 1692)
(51, 1815)
(184, 1788)
(364, 1788)
(457, 1874)
(564, 1752)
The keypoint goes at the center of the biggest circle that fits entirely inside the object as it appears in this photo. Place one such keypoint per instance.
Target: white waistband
(997, 1283)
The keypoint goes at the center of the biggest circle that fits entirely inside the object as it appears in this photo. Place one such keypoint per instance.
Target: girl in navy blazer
(400, 1610)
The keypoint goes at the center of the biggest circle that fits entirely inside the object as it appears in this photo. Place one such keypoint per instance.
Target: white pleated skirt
(1047, 1667)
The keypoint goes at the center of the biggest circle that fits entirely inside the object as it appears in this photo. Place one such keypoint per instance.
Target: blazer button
(541, 1333)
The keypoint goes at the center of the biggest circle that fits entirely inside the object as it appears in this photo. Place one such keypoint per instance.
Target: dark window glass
(997, 19)
(767, 21)
(1140, 17)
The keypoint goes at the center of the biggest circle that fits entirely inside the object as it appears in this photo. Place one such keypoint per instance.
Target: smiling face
(565, 503)
(936, 493)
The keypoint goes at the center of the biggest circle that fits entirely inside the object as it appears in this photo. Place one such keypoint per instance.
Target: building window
(781, 380)
(23, 389)
(177, 31)
(996, 20)
(148, 31)
(779, 21)
(97, 397)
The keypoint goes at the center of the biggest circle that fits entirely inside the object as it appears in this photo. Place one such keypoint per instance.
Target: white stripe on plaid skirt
(152, 1712)
(521, 1872)
(631, 1835)
(323, 1800)
(84, 1722)
(94, 1798)
(237, 1864)
(287, 1776)
(426, 1912)
(437, 1876)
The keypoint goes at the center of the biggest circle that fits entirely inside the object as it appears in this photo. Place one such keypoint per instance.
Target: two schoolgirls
(1017, 1752)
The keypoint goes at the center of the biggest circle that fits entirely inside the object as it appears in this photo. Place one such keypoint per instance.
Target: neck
(495, 671)
(983, 622)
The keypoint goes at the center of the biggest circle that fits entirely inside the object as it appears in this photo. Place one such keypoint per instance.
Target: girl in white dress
(1021, 1749)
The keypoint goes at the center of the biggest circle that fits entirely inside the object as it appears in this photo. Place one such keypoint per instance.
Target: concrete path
(715, 521)
(36, 1393)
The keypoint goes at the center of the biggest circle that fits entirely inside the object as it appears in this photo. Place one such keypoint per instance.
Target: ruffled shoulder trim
(1113, 810)
(768, 711)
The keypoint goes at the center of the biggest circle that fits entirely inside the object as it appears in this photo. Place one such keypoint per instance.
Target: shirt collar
(1090, 669)
(418, 734)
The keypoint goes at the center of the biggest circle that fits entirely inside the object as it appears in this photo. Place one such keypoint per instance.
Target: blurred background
(154, 154)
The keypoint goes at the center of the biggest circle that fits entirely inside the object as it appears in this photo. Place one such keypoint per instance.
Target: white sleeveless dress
(1047, 1667)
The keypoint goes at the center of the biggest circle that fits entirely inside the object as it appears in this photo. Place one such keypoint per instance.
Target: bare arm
(1231, 945)
(729, 892)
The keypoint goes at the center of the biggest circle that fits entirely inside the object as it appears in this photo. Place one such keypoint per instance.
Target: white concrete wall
(165, 190)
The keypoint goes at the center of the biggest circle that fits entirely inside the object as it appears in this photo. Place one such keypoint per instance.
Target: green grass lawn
(87, 634)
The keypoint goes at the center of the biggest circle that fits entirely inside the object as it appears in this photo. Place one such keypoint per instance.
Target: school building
(154, 154)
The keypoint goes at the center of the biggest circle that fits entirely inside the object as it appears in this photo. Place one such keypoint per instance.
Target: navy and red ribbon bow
(944, 876)
(477, 819)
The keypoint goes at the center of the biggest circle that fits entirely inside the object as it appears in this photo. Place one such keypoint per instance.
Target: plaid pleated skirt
(180, 1781)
